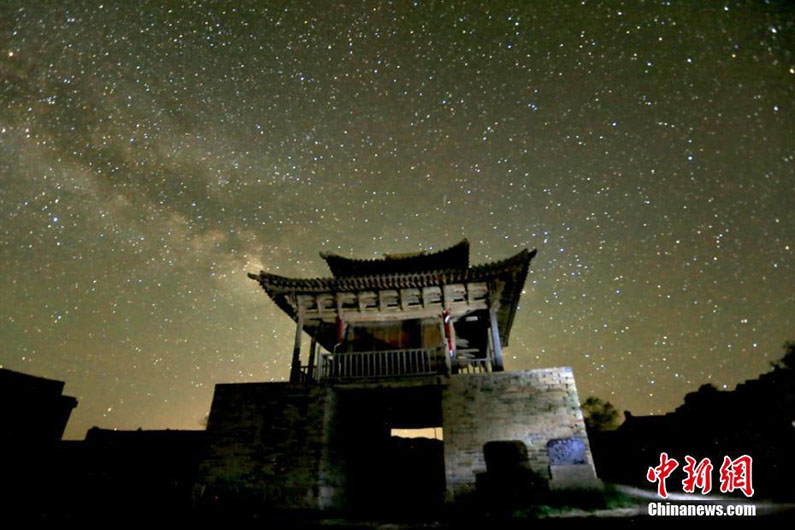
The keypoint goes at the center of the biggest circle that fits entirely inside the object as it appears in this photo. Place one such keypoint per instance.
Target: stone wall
(293, 446)
(534, 407)
(266, 442)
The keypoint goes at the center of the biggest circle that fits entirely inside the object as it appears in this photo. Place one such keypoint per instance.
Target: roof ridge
(395, 256)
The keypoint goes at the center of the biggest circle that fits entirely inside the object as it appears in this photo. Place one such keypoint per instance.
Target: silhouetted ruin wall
(533, 407)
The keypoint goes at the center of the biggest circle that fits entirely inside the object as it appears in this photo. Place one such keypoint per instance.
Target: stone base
(574, 476)
(318, 447)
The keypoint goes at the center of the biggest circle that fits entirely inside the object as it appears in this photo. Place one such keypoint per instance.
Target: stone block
(573, 476)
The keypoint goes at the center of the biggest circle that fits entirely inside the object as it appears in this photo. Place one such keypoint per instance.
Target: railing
(357, 365)
(474, 366)
(391, 363)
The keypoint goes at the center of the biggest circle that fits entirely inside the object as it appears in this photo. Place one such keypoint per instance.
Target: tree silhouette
(599, 415)
(787, 361)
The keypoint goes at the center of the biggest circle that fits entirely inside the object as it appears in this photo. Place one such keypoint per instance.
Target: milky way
(152, 153)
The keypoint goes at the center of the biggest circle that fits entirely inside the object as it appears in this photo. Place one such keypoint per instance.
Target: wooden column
(448, 364)
(453, 344)
(495, 339)
(448, 355)
(310, 369)
(295, 367)
(321, 366)
(489, 347)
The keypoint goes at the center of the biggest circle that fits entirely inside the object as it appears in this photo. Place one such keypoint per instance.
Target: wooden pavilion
(403, 315)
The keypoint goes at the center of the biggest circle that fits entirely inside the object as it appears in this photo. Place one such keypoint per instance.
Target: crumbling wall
(533, 406)
(266, 442)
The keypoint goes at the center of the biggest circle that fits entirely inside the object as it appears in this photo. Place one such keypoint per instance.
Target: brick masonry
(533, 406)
(274, 443)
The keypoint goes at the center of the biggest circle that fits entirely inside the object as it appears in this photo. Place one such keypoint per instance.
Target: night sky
(153, 153)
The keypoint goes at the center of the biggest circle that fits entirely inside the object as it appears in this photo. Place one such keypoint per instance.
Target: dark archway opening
(386, 474)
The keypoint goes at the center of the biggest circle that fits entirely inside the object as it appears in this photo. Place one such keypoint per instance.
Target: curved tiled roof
(508, 275)
(455, 257)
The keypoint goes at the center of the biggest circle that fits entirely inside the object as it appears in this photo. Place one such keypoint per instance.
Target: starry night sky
(152, 153)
